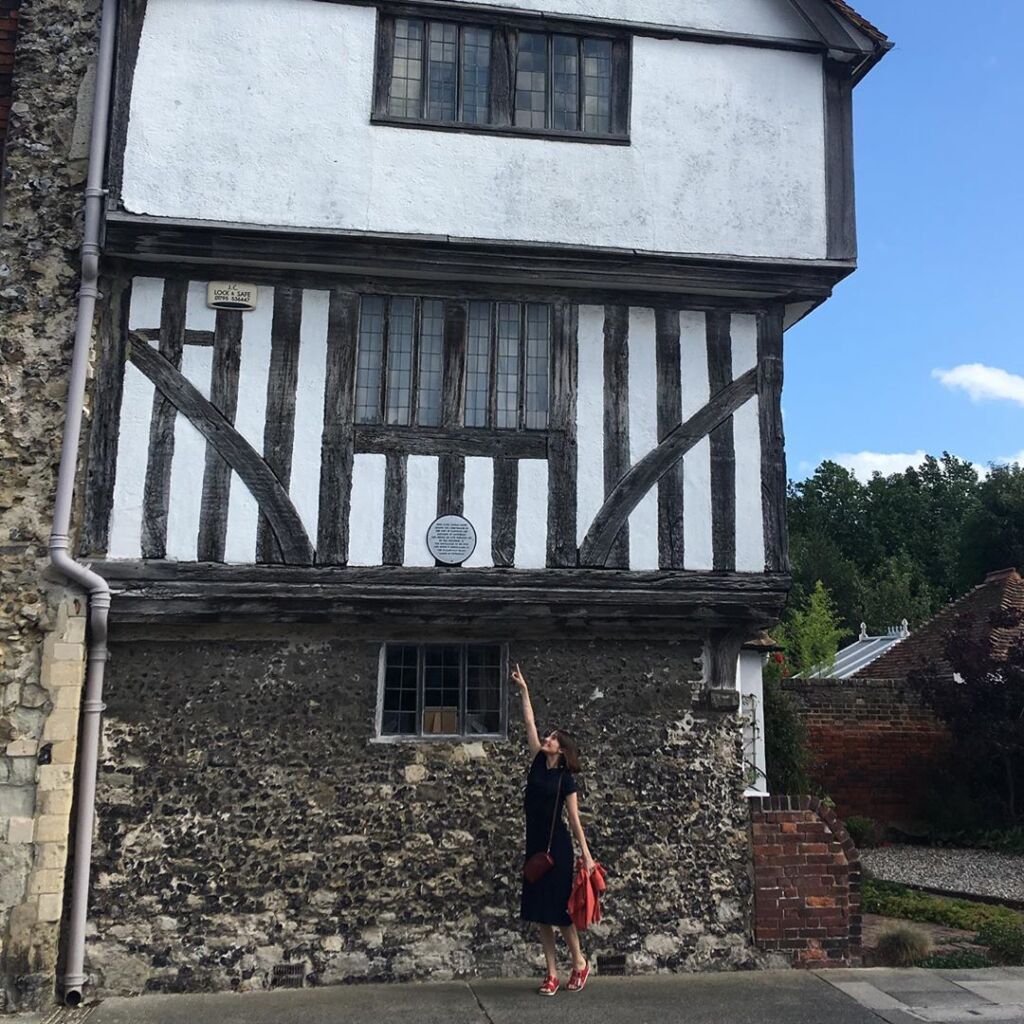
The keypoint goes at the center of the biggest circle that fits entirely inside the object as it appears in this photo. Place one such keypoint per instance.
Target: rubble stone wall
(43, 177)
(247, 818)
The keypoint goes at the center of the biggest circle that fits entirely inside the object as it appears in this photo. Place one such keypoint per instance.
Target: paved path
(771, 997)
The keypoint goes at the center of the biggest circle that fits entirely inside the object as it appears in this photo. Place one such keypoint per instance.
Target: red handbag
(541, 863)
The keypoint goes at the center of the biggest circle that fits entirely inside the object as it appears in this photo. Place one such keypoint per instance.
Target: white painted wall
(749, 680)
(258, 112)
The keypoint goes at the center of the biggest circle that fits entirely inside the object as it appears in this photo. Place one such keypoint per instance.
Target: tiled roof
(987, 605)
(860, 21)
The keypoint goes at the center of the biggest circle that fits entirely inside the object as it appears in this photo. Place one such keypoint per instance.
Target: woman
(545, 902)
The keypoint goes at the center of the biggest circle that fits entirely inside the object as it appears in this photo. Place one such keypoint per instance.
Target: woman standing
(550, 785)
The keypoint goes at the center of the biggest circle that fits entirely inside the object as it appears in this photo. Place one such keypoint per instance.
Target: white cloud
(983, 382)
(863, 464)
(1005, 460)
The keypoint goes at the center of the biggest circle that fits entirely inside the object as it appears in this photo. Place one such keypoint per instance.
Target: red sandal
(578, 978)
(550, 986)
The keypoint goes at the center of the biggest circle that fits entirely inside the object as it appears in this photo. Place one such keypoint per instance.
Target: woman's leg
(572, 940)
(547, 940)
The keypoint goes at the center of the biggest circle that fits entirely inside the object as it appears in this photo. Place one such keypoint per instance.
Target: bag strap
(554, 817)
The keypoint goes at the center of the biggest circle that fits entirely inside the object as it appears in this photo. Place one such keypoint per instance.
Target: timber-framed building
(370, 265)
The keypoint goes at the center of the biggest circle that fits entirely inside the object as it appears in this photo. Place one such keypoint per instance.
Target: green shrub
(864, 832)
(961, 959)
(892, 900)
(902, 946)
(1005, 941)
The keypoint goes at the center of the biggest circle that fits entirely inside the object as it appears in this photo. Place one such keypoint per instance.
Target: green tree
(898, 589)
(993, 533)
(811, 633)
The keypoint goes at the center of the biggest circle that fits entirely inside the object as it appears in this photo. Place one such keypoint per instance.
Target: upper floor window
(401, 370)
(502, 78)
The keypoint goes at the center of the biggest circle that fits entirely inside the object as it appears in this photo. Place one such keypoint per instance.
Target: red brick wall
(8, 32)
(874, 746)
(806, 883)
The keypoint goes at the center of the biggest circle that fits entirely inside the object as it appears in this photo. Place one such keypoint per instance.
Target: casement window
(400, 363)
(442, 690)
(502, 78)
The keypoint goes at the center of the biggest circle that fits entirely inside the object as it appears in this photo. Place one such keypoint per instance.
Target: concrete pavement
(770, 997)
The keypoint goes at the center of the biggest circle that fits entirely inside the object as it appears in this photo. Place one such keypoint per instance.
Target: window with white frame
(443, 690)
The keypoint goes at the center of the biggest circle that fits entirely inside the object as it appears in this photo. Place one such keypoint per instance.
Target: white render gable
(258, 112)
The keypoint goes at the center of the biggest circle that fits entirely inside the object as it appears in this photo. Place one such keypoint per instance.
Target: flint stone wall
(246, 819)
(41, 199)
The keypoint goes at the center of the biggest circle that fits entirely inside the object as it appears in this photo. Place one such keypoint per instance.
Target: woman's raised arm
(531, 726)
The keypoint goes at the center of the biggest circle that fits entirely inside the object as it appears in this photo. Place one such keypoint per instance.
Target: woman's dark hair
(570, 751)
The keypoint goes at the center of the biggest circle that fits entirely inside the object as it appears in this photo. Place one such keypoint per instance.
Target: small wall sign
(451, 539)
(231, 295)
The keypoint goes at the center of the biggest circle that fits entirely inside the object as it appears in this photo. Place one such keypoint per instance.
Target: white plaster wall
(258, 112)
(749, 679)
(420, 507)
(776, 18)
(693, 359)
(532, 515)
(589, 417)
(643, 433)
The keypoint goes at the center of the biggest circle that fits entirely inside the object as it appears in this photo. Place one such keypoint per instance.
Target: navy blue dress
(546, 901)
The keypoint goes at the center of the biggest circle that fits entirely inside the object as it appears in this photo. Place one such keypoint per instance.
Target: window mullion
(459, 113)
(420, 669)
(492, 379)
(549, 113)
(581, 80)
(425, 72)
(521, 379)
(382, 397)
(414, 382)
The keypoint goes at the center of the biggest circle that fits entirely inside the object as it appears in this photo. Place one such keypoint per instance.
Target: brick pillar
(806, 882)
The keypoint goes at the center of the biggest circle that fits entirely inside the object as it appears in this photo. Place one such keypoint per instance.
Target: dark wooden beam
(131, 15)
(723, 447)
(530, 270)
(385, 439)
(519, 602)
(227, 356)
(395, 497)
(272, 499)
(562, 449)
(641, 478)
(616, 421)
(282, 382)
(157, 489)
(504, 503)
(839, 187)
(105, 422)
(336, 445)
(671, 548)
(773, 444)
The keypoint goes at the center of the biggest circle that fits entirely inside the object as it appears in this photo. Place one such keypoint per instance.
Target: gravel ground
(977, 872)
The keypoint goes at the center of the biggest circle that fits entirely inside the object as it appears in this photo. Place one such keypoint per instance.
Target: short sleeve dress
(546, 901)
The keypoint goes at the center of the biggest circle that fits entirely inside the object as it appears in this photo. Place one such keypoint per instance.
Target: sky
(921, 350)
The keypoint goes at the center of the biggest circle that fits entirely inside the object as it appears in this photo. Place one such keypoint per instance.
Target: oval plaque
(451, 539)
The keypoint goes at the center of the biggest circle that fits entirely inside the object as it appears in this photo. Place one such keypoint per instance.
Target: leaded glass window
(502, 77)
(435, 690)
(407, 69)
(400, 363)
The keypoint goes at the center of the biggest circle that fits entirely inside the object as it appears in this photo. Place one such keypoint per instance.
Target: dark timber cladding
(670, 415)
(271, 498)
(336, 446)
(227, 355)
(282, 380)
(562, 443)
(616, 418)
(723, 451)
(161, 427)
(106, 415)
(773, 444)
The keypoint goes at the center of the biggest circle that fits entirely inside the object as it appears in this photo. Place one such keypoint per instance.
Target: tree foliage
(810, 635)
(903, 545)
(980, 697)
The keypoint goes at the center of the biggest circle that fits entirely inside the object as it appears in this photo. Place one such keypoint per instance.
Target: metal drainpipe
(95, 585)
